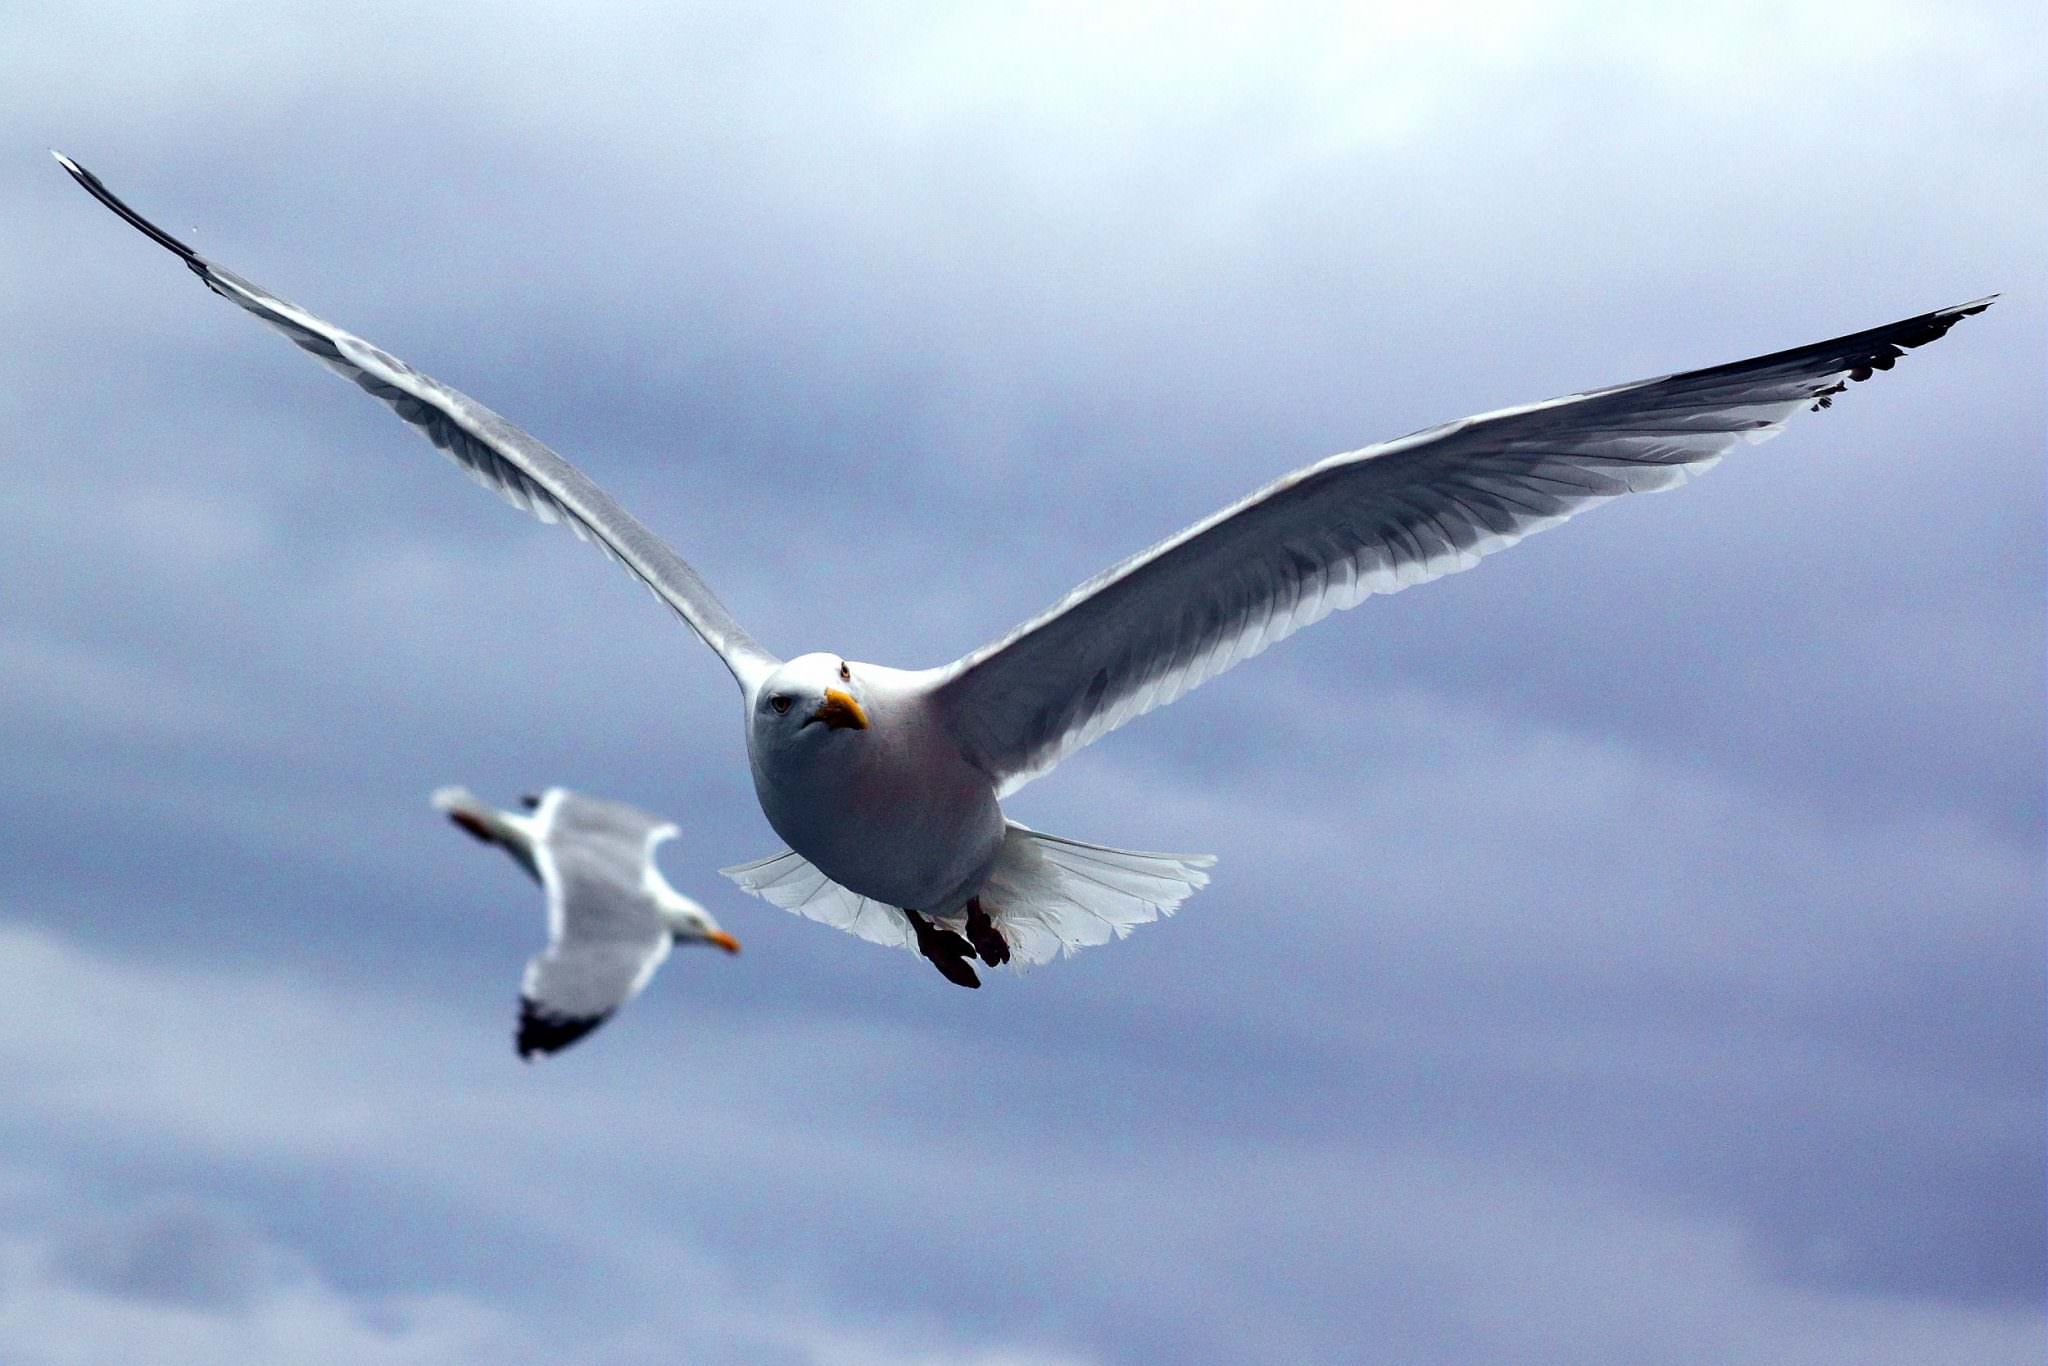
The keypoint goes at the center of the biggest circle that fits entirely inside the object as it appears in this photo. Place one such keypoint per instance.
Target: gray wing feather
(494, 452)
(1371, 521)
(595, 856)
(605, 936)
(588, 981)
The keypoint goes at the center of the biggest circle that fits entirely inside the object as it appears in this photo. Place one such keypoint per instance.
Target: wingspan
(496, 454)
(1371, 521)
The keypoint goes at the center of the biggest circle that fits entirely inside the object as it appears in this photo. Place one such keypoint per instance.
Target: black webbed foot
(988, 941)
(947, 951)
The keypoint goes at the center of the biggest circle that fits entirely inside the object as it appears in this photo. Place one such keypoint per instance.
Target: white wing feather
(1049, 896)
(494, 452)
(1053, 896)
(790, 881)
(1371, 521)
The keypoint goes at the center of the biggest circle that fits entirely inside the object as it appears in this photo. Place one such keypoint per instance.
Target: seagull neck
(677, 911)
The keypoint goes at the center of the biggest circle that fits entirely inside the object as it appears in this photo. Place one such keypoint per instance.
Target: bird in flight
(612, 917)
(887, 784)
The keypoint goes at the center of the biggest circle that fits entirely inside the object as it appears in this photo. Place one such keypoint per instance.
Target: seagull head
(690, 923)
(685, 920)
(812, 699)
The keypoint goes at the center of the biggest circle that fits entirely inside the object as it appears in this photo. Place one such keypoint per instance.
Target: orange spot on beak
(723, 940)
(840, 711)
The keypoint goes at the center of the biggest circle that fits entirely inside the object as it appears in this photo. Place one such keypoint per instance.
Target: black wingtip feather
(98, 191)
(1866, 353)
(542, 1033)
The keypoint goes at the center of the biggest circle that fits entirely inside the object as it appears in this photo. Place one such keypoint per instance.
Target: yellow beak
(840, 711)
(723, 940)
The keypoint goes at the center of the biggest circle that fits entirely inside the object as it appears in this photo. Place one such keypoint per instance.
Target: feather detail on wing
(1375, 520)
(494, 452)
(1052, 897)
(791, 881)
(1049, 896)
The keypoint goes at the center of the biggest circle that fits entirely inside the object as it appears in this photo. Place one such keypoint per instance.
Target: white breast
(892, 812)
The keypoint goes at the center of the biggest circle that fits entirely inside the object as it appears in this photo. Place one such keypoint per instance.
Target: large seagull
(887, 784)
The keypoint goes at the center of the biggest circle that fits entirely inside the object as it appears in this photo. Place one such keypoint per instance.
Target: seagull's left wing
(1372, 521)
(496, 454)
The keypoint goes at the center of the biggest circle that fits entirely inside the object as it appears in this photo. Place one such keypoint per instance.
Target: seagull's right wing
(497, 454)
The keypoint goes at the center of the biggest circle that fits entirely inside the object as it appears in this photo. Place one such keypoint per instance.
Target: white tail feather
(1049, 896)
(1052, 896)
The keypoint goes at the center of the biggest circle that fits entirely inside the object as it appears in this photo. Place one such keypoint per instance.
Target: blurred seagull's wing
(605, 937)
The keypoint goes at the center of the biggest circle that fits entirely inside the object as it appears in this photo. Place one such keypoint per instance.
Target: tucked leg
(988, 941)
(947, 951)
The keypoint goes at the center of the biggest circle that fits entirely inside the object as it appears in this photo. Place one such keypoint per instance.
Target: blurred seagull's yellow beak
(840, 711)
(723, 940)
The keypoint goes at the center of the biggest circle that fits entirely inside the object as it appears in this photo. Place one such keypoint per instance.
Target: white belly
(908, 825)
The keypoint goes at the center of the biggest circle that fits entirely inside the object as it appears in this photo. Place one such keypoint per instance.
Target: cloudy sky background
(1630, 949)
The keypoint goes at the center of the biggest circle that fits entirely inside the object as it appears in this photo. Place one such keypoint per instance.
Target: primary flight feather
(886, 783)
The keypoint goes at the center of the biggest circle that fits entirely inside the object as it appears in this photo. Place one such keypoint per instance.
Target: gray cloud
(176, 1251)
(653, 1173)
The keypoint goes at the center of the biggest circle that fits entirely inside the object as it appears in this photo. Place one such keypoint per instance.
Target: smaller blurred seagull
(611, 914)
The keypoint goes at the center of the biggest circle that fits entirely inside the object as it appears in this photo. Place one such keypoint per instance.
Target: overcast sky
(1630, 950)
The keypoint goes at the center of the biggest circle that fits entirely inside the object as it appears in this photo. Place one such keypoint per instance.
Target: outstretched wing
(1372, 521)
(496, 454)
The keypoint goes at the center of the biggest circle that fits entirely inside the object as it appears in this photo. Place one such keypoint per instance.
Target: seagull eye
(845, 673)
(780, 702)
